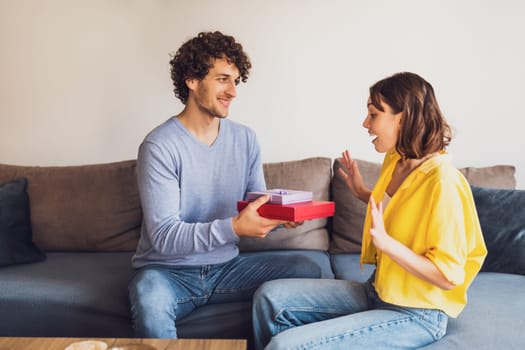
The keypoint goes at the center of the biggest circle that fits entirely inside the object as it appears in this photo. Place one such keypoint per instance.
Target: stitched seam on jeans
(192, 298)
(234, 290)
(305, 309)
(311, 309)
(357, 333)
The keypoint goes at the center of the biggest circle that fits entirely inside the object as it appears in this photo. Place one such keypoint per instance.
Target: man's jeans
(338, 314)
(160, 295)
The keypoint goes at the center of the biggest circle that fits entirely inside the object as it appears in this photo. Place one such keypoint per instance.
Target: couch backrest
(97, 207)
(83, 208)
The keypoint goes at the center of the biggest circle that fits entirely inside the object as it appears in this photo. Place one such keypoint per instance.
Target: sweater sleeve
(159, 189)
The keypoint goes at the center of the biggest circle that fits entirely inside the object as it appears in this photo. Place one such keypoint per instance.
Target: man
(191, 170)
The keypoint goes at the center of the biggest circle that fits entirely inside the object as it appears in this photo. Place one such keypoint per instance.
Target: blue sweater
(189, 190)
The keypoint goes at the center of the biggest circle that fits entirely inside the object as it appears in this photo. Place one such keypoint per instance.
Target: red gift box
(294, 212)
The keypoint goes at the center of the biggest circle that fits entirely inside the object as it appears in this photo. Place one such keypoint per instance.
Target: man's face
(214, 93)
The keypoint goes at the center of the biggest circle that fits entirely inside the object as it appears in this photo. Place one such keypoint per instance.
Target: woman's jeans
(338, 314)
(159, 295)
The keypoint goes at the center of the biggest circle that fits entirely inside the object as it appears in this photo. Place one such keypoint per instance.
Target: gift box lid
(282, 196)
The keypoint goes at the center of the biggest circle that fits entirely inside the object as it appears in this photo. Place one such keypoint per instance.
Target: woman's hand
(353, 178)
(378, 234)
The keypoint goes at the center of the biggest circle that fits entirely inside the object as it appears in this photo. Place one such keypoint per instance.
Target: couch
(65, 273)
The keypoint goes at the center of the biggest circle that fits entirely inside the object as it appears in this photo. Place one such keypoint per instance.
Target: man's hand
(293, 224)
(250, 224)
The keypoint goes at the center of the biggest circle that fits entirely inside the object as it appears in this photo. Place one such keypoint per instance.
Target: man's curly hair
(195, 57)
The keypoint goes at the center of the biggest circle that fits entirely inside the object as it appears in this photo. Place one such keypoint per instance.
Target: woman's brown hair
(424, 129)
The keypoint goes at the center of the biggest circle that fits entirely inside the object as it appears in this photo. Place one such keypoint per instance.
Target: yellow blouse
(433, 213)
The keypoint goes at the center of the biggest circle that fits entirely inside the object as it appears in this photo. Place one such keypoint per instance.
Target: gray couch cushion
(349, 211)
(82, 208)
(312, 174)
(497, 176)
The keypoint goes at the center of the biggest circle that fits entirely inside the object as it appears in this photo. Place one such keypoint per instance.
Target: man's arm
(159, 190)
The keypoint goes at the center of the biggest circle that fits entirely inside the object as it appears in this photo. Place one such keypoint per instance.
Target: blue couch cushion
(16, 244)
(493, 317)
(85, 294)
(502, 217)
(72, 294)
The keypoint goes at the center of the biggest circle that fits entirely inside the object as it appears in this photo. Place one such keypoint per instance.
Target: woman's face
(382, 126)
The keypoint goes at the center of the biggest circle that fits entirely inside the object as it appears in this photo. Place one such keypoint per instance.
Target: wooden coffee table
(15, 343)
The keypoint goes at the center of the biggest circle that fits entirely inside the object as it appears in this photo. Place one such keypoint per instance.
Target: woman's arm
(418, 265)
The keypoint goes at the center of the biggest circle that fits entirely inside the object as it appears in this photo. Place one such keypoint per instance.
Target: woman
(421, 231)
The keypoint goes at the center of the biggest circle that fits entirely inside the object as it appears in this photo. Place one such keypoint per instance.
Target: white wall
(82, 81)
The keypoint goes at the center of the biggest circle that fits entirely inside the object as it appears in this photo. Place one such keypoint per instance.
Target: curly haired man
(191, 170)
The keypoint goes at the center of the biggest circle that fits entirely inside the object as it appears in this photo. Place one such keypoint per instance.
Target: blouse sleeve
(446, 234)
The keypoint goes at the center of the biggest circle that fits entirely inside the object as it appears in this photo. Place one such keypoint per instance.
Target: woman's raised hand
(353, 178)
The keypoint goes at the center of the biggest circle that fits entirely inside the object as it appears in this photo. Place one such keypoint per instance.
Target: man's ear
(192, 84)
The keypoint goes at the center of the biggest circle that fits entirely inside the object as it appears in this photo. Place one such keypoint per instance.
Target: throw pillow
(497, 176)
(502, 218)
(349, 211)
(311, 174)
(16, 245)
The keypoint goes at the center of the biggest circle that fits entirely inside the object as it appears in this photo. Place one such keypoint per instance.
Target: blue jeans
(159, 295)
(338, 314)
